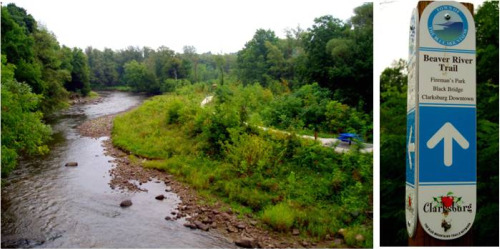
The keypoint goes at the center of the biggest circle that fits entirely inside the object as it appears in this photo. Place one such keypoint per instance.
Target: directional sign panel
(411, 193)
(411, 128)
(447, 144)
(446, 120)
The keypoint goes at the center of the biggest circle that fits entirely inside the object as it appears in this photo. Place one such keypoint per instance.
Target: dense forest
(393, 90)
(321, 77)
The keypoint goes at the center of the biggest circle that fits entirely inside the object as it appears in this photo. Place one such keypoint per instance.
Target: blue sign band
(447, 50)
(448, 105)
(446, 183)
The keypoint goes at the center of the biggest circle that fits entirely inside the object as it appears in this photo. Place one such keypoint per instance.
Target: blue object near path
(348, 137)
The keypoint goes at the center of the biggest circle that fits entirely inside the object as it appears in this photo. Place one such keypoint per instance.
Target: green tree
(487, 124)
(140, 78)
(254, 63)
(79, 73)
(22, 128)
(486, 20)
(219, 60)
(193, 58)
(319, 64)
(47, 53)
(392, 144)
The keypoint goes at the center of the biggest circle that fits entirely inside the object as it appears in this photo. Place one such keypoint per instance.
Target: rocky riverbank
(76, 99)
(244, 230)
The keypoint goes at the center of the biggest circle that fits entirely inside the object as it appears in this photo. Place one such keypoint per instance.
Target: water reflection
(45, 204)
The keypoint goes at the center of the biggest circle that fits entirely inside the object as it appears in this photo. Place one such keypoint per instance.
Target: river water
(48, 205)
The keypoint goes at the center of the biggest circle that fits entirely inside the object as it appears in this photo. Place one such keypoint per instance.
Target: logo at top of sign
(448, 25)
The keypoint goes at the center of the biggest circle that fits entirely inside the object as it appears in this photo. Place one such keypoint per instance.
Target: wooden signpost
(441, 119)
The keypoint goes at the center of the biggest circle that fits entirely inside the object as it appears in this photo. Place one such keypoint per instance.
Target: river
(48, 205)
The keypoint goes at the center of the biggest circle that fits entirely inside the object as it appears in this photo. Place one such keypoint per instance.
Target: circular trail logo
(447, 25)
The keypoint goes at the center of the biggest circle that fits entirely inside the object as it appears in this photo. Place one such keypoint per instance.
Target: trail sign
(445, 120)
(411, 129)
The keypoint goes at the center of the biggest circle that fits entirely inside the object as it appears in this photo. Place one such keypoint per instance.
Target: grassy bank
(287, 182)
(93, 95)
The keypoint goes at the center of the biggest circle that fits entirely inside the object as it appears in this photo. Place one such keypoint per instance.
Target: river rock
(168, 189)
(262, 244)
(206, 220)
(231, 229)
(22, 243)
(226, 216)
(201, 226)
(160, 197)
(295, 232)
(253, 222)
(190, 225)
(240, 226)
(341, 232)
(359, 237)
(245, 242)
(126, 203)
(71, 164)
(168, 218)
(338, 242)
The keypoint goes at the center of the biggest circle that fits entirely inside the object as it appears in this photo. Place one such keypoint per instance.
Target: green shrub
(280, 217)
(248, 153)
(23, 131)
(366, 235)
(173, 111)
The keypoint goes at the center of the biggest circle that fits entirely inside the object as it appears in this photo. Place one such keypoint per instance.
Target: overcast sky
(219, 26)
(391, 31)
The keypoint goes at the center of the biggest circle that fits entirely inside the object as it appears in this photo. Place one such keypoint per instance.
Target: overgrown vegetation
(317, 80)
(37, 78)
(287, 181)
(393, 83)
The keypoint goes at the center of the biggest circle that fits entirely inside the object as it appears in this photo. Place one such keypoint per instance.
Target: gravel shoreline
(243, 230)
